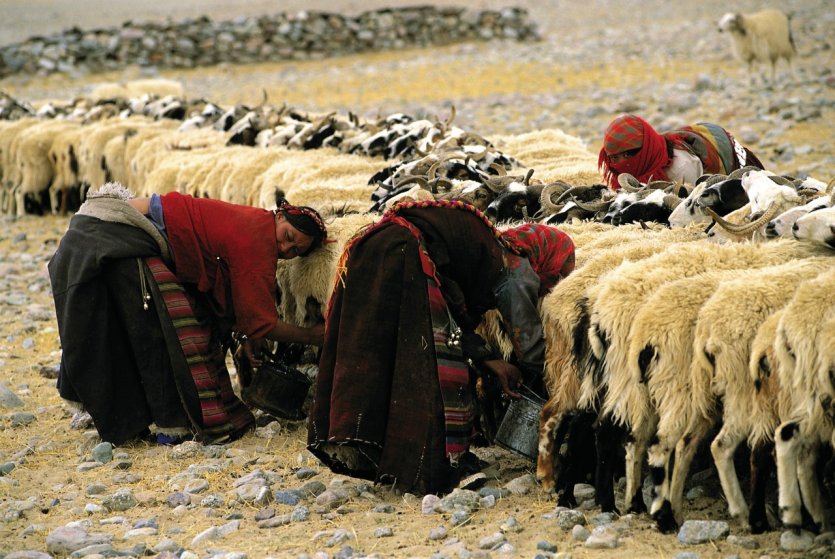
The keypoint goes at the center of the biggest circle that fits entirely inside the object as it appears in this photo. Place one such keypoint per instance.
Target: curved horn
(264, 97)
(480, 155)
(545, 197)
(658, 185)
(594, 208)
(670, 201)
(432, 170)
(500, 170)
(811, 193)
(741, 171)
(450, 118)
(571, 191)
(495, 186)
(742, 229)
(629, 183)
(442, 184)
(424, 184)
(528, 176)
(781, 180)
(715, 179)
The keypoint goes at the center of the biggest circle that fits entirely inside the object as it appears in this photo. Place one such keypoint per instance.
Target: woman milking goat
(148, 292)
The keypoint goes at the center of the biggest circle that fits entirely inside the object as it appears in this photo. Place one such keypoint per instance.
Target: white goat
(817, 226)
(805, 359)
(762, 37)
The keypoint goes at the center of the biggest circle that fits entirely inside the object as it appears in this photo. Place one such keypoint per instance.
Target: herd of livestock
(696, 313)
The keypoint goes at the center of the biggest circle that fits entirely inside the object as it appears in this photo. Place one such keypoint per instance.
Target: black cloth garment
(378, 410)
(115, 358)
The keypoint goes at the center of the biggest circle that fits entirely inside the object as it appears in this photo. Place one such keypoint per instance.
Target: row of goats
(659, 335)
(662, 336)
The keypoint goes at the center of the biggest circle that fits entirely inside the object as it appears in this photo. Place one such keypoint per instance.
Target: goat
(818, 226)
(720, 347)
(806, 360)
(762, 37)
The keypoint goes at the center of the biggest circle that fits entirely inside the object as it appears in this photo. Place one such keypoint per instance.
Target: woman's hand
(317, 334)
(254, 349)
(510, 377)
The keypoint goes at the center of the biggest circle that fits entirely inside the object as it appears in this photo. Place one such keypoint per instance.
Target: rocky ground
(61, 491)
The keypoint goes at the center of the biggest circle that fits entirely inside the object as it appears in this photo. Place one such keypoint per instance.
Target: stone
(701, 531)
(66, 539)
(102, 452)
(546, 546)
(291, 498)
(383, 532)
(521, 485)
(122, 500)
(746, 542)
(791, 540)
(427, 505)
(584, 492)
(580, 533)
(602, 537)
(206, 535)
(567, 519)
(493, 541)
(437, 533)
(9, 399)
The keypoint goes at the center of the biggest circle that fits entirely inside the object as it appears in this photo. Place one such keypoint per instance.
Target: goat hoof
(664, 519)
(758, 522)
(565, 499)
(637, 506)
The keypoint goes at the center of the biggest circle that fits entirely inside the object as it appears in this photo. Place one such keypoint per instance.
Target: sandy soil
(589, 47)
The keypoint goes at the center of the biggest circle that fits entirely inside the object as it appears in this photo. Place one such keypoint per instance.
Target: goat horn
(432, 170)
(424, 184)
(528, 176)
(545, 197)
(781, 180)
(811, 193)
(419, 151)
(670, 201)
(439, 182)
(571, 191)
(741, 171)
(658, 185)
(629, 183)
(500, 170)
(715, 179)
(480, 155)
(830, 186)
(495, 186)
(744, 228)
(451, 117)
(594, 208)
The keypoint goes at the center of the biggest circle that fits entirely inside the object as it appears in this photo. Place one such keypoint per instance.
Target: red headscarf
(628, 132)
(549, 250)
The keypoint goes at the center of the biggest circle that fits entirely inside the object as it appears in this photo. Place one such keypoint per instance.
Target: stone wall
(300, 35)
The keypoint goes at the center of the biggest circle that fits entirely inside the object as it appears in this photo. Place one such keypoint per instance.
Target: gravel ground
(663, 60)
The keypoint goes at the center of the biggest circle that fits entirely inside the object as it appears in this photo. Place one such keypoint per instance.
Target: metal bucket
(519, 431)
(279, 390)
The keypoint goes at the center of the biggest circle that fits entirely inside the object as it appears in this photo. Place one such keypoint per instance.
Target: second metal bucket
(519, 431)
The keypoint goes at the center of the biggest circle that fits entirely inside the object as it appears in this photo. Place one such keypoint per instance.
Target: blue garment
(155, 216)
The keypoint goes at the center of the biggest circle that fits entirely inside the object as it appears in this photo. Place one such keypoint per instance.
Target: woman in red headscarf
(393, 401)
(631, 145)
(147, 294)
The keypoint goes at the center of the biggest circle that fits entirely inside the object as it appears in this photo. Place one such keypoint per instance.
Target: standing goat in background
(761, 37)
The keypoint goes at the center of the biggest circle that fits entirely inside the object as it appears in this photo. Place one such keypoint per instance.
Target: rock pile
(300, 35)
